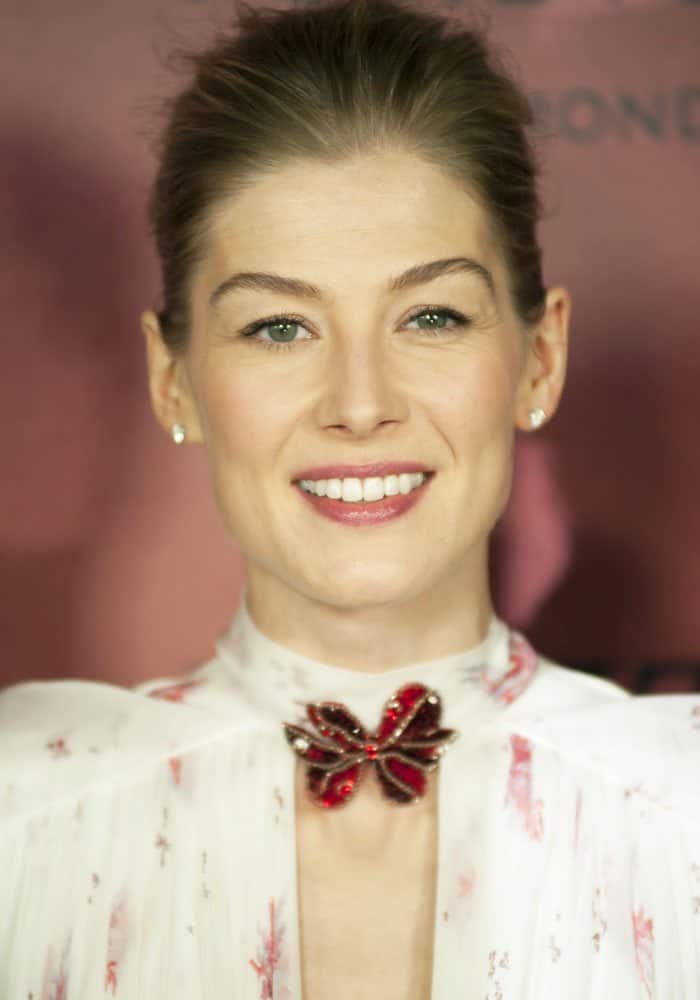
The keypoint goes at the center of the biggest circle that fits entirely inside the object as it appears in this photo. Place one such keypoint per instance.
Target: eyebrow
(418, 275)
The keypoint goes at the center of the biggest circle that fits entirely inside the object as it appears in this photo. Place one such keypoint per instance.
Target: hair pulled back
(327, 82)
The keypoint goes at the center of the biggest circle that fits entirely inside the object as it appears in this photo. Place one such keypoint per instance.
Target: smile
(368, 490)
(387, 497)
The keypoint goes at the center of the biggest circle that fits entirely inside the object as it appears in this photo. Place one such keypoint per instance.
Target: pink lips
(370, 512)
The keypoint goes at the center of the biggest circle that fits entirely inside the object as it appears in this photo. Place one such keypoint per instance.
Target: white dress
(147, 835)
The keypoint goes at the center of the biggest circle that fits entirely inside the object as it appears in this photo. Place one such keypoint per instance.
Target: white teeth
(373, 488)
(352, 490)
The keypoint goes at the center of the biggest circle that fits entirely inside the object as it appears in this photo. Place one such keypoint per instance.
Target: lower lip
(363, 513)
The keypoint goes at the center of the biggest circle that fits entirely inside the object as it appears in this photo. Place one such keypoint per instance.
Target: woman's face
(358, 378)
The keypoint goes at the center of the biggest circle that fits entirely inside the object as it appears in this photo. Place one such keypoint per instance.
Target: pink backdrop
(113, 562)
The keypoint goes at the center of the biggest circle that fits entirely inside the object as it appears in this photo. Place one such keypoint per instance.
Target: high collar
(278, 682)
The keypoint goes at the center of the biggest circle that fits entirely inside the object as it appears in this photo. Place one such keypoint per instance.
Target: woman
(374, 787)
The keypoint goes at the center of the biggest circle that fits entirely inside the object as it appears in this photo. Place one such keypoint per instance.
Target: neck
(369, 635)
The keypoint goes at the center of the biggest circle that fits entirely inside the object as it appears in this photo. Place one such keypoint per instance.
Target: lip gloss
(364, 512)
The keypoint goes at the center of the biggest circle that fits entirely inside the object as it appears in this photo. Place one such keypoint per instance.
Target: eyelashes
(251, 331)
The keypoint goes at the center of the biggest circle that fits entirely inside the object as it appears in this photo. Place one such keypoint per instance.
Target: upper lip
(360, 471)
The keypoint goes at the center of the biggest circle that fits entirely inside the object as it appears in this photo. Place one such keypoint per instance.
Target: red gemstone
(411, 716)
(409, 775)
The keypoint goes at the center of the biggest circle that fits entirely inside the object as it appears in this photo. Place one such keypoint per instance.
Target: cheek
(479, 403)
(242, 419)
(477, 413)
(242, 437)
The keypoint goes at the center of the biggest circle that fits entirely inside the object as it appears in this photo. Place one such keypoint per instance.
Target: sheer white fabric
(147, 836)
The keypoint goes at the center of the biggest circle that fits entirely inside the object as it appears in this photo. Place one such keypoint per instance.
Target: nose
(361, 391)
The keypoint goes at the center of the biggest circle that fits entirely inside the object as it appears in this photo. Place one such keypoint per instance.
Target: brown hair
(329, 81)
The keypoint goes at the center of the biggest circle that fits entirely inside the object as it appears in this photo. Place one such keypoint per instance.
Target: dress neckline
(278, 682)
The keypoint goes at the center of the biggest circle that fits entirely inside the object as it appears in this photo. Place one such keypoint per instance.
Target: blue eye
(287, 324)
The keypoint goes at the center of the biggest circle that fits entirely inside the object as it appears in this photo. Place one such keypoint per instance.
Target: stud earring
(178, 433)
(537, 418)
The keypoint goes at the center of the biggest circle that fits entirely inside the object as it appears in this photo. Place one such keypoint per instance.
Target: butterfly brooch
(407, 745)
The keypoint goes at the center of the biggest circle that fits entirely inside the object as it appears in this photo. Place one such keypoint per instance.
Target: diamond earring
(537, 418)
(178, 433)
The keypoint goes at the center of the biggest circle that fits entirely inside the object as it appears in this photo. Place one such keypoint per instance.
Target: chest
(366, 887)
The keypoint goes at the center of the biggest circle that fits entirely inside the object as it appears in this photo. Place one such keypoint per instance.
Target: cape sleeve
(640, 760)
(59, 738)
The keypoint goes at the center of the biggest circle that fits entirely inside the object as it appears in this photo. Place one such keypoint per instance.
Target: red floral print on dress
(116, 943)
(519, 790)
(111, 976)
(465, 883)
(57, 989)
(523, 663)
(174, 692)
(55, 986)
(175, 764)
(269, 954)
(58, 748)
(644, 948)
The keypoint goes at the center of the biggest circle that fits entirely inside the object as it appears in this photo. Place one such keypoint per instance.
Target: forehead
(359, 219)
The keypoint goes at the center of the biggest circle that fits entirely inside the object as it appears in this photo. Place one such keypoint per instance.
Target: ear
(544, 371)
(171, 395)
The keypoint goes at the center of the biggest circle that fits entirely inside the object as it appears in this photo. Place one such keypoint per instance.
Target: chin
(370, 585)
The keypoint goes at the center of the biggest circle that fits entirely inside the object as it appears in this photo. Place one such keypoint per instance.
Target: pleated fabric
(147, 835)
